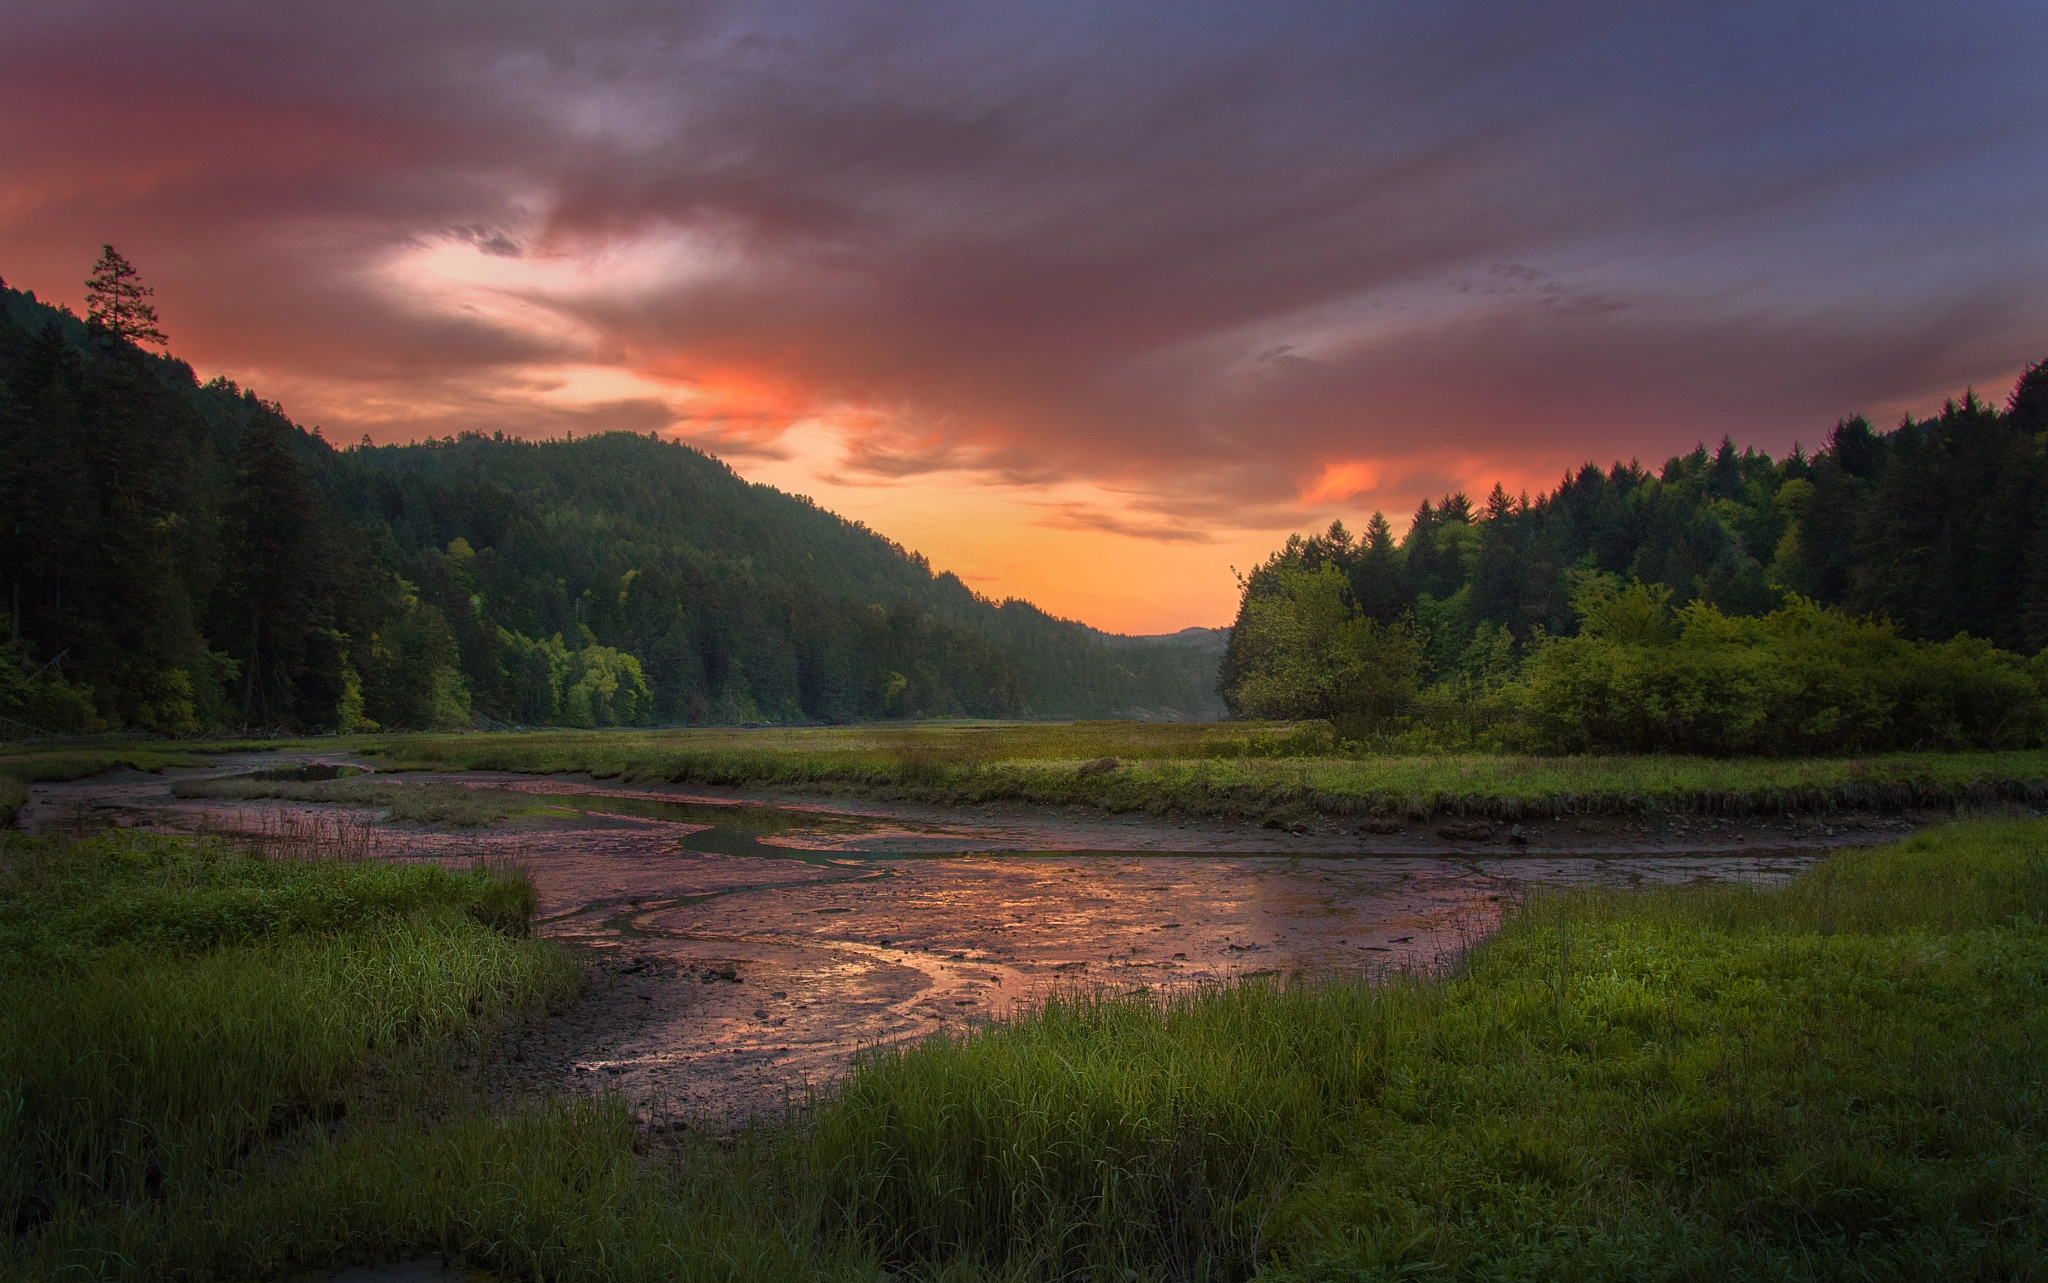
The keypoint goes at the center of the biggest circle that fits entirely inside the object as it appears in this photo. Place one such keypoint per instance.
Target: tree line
(182, 557)
(1888, 591)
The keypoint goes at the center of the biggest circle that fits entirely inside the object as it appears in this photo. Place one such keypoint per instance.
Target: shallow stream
(743, 950)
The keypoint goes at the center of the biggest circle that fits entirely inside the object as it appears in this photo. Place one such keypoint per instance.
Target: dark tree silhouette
(117, 302)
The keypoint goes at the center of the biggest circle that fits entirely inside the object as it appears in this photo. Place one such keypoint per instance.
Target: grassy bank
(180, 1016)
(1233, 770)
(22, 765)
(1841, 1079)
(1838, 1079)
(215, 1065)
(450, 804)
(38, 763)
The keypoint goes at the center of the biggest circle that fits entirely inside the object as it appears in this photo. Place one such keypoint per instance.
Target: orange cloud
(1340, 481)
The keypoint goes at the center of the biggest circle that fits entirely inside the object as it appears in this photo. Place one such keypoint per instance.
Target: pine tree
(1375, 571)
(273, 570)
(2027, 408)
(117, 302)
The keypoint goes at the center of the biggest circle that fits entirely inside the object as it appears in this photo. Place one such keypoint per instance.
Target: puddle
(743, 951)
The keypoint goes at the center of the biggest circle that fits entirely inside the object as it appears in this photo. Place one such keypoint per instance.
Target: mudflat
(741, 949)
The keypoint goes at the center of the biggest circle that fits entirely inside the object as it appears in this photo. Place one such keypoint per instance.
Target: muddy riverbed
(741, 949)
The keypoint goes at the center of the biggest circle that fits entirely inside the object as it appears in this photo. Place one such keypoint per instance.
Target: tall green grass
(173, 1007)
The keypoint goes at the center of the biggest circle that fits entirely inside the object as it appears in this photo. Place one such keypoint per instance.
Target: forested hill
(1939, 525)
(182, 556)
(1876, 575)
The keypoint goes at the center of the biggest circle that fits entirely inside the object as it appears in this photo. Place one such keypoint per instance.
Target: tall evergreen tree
(117, 302)
(272, 602)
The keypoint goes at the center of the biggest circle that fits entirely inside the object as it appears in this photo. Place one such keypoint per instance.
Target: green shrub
(1800, 680)
(37, 699)
(1307, 653)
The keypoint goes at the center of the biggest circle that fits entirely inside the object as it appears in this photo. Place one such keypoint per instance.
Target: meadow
(222, 1065)
(1232, 770)
(1228, 769)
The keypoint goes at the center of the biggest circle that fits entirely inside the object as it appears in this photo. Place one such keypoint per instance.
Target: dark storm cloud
(1203, 252)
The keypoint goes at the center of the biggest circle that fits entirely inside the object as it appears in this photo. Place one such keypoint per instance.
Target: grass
(37, 764)
(1841, 1079)
(1838, 1079)
(1235, 770)
(176, 1007)
(214, 1064)
(450, 804)
(22, 765)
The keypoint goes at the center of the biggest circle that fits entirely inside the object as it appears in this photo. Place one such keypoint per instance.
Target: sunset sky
(1088, 303)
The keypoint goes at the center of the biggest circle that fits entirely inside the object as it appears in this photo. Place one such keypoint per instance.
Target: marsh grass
(450, 804)
(37, 764)
(174, 1007)
(1836, 1079)
(1233, 770)
(1840, 1079)
(295, 835)
(217, 1065)
(22, 765)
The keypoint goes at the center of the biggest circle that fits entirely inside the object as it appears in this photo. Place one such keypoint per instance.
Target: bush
(1801, 680)
(35, 697)
(1307, 653)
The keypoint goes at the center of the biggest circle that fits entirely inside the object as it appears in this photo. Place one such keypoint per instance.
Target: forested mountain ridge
(1897, 581)
(183, 556)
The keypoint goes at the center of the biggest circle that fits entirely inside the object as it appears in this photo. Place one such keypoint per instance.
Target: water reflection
(757, 946)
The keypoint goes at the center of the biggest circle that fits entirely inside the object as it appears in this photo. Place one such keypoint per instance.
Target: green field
(1236, 770)
(1226, 769)
(217, 1065)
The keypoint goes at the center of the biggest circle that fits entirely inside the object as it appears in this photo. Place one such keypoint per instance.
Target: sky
(1090, 303)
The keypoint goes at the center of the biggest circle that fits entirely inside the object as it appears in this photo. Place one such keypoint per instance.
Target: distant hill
(1198, 639)
(198, 560)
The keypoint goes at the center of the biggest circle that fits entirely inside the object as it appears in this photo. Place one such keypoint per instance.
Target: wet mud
(740, 950)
